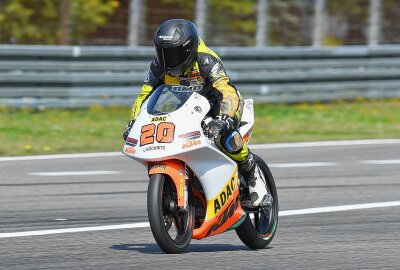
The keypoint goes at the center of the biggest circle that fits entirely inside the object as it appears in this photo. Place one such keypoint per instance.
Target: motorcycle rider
(184, 59)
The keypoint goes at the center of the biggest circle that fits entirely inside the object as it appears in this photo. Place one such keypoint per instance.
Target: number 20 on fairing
(164, 133)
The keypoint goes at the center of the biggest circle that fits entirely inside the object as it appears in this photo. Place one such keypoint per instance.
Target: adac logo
(130, 150)
(159, 119)
(191, 143)
(224, 195)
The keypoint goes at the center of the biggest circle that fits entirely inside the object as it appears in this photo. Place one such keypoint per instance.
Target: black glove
(128, 129)
(218, 126)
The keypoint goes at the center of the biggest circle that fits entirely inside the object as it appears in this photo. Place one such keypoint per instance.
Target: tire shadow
(193, 248)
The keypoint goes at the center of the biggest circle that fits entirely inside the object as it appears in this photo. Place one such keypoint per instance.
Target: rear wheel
(172, 227)
(259, 227)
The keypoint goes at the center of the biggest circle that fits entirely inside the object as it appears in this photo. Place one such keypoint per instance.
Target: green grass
(340, 120)
(27, 132)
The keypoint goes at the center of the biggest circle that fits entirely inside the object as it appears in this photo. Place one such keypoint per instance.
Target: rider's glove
(128, 129)
(218, 126)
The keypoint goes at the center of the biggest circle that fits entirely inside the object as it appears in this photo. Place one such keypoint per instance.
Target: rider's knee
(234, 146)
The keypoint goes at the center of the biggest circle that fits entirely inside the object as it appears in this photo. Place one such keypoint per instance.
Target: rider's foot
(259, 194)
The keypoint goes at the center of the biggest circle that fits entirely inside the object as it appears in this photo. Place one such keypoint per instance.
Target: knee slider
(233, 143)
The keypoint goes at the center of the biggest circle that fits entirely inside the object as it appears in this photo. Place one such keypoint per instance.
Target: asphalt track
(44, 195)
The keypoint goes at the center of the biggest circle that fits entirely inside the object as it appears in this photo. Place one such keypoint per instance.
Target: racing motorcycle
(195, 190)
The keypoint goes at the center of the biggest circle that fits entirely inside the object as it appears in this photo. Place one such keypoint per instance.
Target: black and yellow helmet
(176, 43)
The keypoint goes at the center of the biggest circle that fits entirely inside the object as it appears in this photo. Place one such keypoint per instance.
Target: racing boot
(259, 194)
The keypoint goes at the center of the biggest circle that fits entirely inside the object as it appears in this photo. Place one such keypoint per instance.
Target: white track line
(75, 173)
(329, 209)
(75, 230)
(324, 143)
(381, 162)
(301, 165)
(45, 157)
(306, 211)
(253, 146)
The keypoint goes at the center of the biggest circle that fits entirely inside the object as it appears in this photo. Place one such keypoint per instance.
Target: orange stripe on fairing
(231, 213)
(218, 221)
(173, 168)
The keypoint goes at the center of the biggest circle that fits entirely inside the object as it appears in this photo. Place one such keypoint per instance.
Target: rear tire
(257, 234)
(161, 194)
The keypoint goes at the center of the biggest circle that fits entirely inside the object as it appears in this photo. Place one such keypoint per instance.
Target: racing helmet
(176, 43)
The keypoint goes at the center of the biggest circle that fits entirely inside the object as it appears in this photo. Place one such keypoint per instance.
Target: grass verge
(98, 129)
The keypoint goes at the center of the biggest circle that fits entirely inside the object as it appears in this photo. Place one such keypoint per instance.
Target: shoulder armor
(210, 67)
(205, 60)
(155, 68)
(155, 74)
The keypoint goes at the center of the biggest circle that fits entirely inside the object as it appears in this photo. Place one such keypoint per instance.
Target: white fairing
(247, 117)
(212, 167)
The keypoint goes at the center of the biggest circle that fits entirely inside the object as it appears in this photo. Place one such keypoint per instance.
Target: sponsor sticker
(190, 135)
(194, 75)
(187, 89)
(223, 200)
(154, 148)
(131, 141)
(160, 166)
(216, 204)
(182, 186)
(129, 150)
(191, 143)
(224, 195)
(249, 105)
(159, 119)
(222, 219)
(165, 37)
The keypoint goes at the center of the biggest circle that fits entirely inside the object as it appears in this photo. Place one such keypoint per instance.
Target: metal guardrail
(80, 76)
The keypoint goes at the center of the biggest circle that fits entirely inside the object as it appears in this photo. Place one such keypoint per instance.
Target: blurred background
(317, 69)
(221, 22)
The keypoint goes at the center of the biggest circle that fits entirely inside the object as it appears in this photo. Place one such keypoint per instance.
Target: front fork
(186, 187)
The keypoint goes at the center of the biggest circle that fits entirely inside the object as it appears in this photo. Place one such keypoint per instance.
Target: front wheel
(172, 227)
(259, 227)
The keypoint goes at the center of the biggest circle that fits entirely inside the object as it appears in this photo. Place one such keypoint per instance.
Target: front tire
(258, 229)
(172, 227)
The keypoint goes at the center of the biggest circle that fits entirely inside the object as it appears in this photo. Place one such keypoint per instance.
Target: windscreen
(167, 98)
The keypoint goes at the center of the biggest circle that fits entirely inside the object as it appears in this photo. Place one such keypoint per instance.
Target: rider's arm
(153, 78)
(214, 71)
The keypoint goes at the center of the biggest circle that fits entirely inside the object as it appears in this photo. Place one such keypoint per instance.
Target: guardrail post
(375, 13)
(319, 22)
(262, 21)
(136, 16)
(65, 22)
(201, 17)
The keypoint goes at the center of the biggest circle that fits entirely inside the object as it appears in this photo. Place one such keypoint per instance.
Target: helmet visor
(174, 56)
